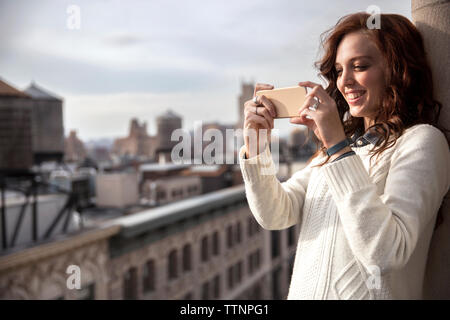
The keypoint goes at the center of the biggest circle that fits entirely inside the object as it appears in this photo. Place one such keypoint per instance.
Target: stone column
(431, 17)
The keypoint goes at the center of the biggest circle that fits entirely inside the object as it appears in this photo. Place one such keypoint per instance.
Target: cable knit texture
(365, 228)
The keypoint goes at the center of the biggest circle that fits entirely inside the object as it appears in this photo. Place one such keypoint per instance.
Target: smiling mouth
(354, 96)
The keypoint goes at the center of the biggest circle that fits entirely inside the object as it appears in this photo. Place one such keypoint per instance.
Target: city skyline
(139, 60)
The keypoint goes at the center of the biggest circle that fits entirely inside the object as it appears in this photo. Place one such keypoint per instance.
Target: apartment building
(207, 247)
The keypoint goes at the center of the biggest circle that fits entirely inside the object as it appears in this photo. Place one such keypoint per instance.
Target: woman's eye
(360, 67)
(338, 71)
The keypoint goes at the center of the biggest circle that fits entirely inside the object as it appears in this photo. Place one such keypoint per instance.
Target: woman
(367, 202)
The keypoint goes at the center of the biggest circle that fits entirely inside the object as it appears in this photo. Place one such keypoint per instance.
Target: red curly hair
(408, 97)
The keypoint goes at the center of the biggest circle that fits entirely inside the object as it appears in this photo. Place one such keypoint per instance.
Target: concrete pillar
(431, 17)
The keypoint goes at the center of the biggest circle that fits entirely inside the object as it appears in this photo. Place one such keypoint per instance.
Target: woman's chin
(357, 111)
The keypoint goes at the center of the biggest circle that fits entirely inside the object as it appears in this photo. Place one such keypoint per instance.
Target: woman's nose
(347, 77)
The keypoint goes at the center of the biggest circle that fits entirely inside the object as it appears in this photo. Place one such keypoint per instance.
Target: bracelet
(338, 147)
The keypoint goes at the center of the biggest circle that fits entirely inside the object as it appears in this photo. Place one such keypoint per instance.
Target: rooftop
(151, 219)
(162, 167)
(6, 90)
(169, 114)
(38, 93)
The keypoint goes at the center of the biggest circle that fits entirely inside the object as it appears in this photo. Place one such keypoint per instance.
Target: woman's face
(360, 66)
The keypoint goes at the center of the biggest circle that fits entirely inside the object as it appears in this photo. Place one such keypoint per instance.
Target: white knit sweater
(365, 230)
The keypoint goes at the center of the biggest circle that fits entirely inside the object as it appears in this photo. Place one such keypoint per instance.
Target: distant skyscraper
(247, 90)
(166, 124)
(74, 148)
(138, 143)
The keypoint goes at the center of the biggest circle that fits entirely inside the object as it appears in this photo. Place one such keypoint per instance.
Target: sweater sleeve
(274, 205)
(384, 230)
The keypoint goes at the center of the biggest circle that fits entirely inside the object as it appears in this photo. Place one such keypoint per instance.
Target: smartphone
(287, 101)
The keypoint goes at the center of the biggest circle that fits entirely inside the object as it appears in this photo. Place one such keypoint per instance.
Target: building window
(230, 277)
(229, 236)
(160, 195)
(149, 276)
(204, 249)
(177, 192)
(216, 288)
(256, 294)
(205, 291)
(250, 264)
(249, 226)
(252, 226)
(238, 272)
(192, 189)
(275, 243)
(238, 232)
(187, 258)
(129, 284)
(276, 275)
(254, 261)
(291, 236)
(173, 270)
(216, 244)
(86, 293)
(257, 259)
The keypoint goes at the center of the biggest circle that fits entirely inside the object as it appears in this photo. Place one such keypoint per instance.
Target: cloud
(123, 40)
(78, 77)
(190, 56)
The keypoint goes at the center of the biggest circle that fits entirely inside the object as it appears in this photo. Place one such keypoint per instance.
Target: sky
(136, 58)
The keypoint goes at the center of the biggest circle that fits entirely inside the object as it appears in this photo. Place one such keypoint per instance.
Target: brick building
(207, 247)
(138, 143)
(74, 148)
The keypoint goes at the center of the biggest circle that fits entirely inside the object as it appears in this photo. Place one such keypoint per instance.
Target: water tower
(166, 124)
(15, 129)
(47, 125)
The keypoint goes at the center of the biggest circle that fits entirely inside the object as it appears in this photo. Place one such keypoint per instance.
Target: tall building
(247, 90)
(74, 148)
(138, 143)
(301, 143)
(166, 124)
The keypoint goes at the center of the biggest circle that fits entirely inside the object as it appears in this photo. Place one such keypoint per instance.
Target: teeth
(355, 95)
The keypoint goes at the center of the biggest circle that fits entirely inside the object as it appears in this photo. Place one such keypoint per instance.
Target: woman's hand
(258, 116)
(324, 121)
